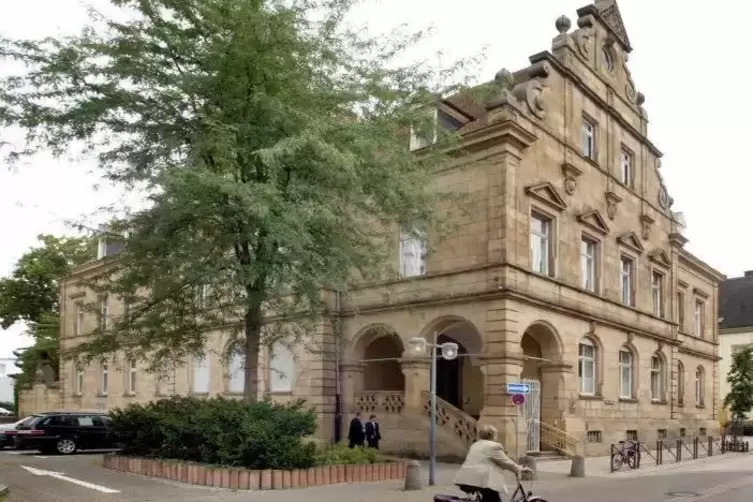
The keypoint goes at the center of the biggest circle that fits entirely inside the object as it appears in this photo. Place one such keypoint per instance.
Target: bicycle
(627, 454)
(519, 495)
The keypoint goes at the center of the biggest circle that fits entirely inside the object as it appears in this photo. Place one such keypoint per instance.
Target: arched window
(200, 377)
(131, 375)
(103, 378)
(626, 373)
(236, 373)
(699, 384)
(587, 366)
(680, 383)
(281, 368)
(657, 378)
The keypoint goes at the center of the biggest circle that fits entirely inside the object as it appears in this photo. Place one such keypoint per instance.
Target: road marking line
(63, 477)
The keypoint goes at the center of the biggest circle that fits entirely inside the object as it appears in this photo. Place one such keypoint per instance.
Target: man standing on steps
(356, 433)
(372, 432)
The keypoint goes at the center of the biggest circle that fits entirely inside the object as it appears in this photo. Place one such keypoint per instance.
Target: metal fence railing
(628, 455)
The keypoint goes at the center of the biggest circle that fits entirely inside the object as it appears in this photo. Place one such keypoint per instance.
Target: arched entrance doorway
(541, 347)
(460, 381)
(382, 363)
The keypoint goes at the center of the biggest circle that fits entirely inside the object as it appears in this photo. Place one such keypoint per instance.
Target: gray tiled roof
(736, 302)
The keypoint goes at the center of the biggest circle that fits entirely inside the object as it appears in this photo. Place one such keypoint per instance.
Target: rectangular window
(132, 376)
(626, 168)
(594, 436)
(702, 431)
(682, 432)
(587, 367)
(588, 139)
(631, 435)
(79, 378)
(541, 244)
(79, 323)
(626, 374)
(103, 313)
(657, 293)
(657, 391)
(439, 121)
(681, 310)
(413, 252)
(588, 264)
(661, 434)
(699, 307)
(201, 375)
(627, 271)
(281, 368)
(103, 378)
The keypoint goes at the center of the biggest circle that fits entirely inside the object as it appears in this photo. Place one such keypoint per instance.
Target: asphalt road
(81, 478)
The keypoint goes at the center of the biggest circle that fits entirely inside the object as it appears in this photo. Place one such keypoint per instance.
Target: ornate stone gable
(610, 14)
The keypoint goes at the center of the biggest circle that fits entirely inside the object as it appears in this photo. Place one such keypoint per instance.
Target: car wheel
(66, 446)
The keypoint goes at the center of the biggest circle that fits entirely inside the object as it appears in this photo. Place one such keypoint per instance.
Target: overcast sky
(688, 59)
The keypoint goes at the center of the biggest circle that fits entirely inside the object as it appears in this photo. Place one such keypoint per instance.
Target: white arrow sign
(63, 477)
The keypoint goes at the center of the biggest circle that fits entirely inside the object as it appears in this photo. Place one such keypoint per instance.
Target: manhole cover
(683, 494)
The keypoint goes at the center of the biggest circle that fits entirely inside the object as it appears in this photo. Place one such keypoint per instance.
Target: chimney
(749, 273)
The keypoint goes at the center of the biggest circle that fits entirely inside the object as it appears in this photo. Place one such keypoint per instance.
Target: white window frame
(680, 382)
(79, 374)
(78, 325)
(699, 382)
(584, 361)
(627, 367)
(417, 142)
(630, 276)
(281, 380)
(545, 240)
(236, 377)
(101, 247)
(626, 167)
(657, 293)
(588, 264)
(104, 312)
(657, 378)
(698, 317)
(200, 367)
(413, 251)
(588, 138)
(104, 378)
(163, 379)
(132, 375)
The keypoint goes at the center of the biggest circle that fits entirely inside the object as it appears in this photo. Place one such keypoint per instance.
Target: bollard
(413, 476)
(578, 467)
(529, 462)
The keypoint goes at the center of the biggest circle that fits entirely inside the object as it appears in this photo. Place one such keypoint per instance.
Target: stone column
(353, 384)
(417, 373)
(555, 394)
(498, 408)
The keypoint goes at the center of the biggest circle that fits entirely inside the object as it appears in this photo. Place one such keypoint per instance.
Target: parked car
(7, 432)
(65, 432)
(6, 413)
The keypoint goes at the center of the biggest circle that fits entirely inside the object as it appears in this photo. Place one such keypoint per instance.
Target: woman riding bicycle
(484, 466)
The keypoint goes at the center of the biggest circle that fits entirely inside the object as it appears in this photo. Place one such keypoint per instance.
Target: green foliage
(340, 454)
(273, 141)
(31, 295)
(7, 406)
(740, 398)
(218, 431)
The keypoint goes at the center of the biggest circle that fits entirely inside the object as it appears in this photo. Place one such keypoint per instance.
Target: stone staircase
(405, 432)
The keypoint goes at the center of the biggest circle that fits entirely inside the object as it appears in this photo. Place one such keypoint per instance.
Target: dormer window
(110, 244)
(606, 55)
(422, 139)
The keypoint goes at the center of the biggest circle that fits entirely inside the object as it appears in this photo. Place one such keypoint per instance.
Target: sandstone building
(568, 272)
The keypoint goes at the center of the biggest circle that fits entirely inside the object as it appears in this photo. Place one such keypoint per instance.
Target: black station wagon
(65, 432)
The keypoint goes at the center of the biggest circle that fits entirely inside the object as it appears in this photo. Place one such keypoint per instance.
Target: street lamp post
(449, 352)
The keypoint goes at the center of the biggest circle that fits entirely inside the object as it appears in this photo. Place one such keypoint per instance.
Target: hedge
(219, 431)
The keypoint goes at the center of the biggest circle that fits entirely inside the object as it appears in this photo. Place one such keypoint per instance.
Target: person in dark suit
(356, 433)
(372, 432)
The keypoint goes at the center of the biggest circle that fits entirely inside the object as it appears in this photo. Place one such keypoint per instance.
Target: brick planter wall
(245, 479)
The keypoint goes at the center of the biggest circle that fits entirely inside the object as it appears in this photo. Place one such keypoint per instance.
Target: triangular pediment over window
(659, 257)
(546, 193)
(593, 219)
(631, 241)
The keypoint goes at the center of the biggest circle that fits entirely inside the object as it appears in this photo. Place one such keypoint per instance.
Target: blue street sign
(518, 388)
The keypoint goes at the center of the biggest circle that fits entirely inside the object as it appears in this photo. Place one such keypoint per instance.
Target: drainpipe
(338, 368)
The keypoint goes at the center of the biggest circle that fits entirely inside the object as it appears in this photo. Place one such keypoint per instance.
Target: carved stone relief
(584, 37)
(531, 91)
(571, 174)
(646, 223)
(612, 201)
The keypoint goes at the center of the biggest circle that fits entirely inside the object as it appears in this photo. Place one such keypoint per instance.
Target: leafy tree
(30, 295)
(273, 141)
(739, 401)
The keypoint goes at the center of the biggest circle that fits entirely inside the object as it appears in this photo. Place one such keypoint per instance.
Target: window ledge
(129, 394)
(659, 401)
(281, 392)
(680, 404)
(229, 393)
(78, 394)
(591, 397)
(700, 406)
(200, 394)
(101, 394)
(628, 400)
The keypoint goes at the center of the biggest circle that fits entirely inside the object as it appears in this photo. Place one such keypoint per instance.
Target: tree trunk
(252, 343)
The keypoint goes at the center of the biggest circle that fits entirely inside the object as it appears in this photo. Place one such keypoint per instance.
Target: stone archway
(460, 381)
(542, 368)
(382, 369)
